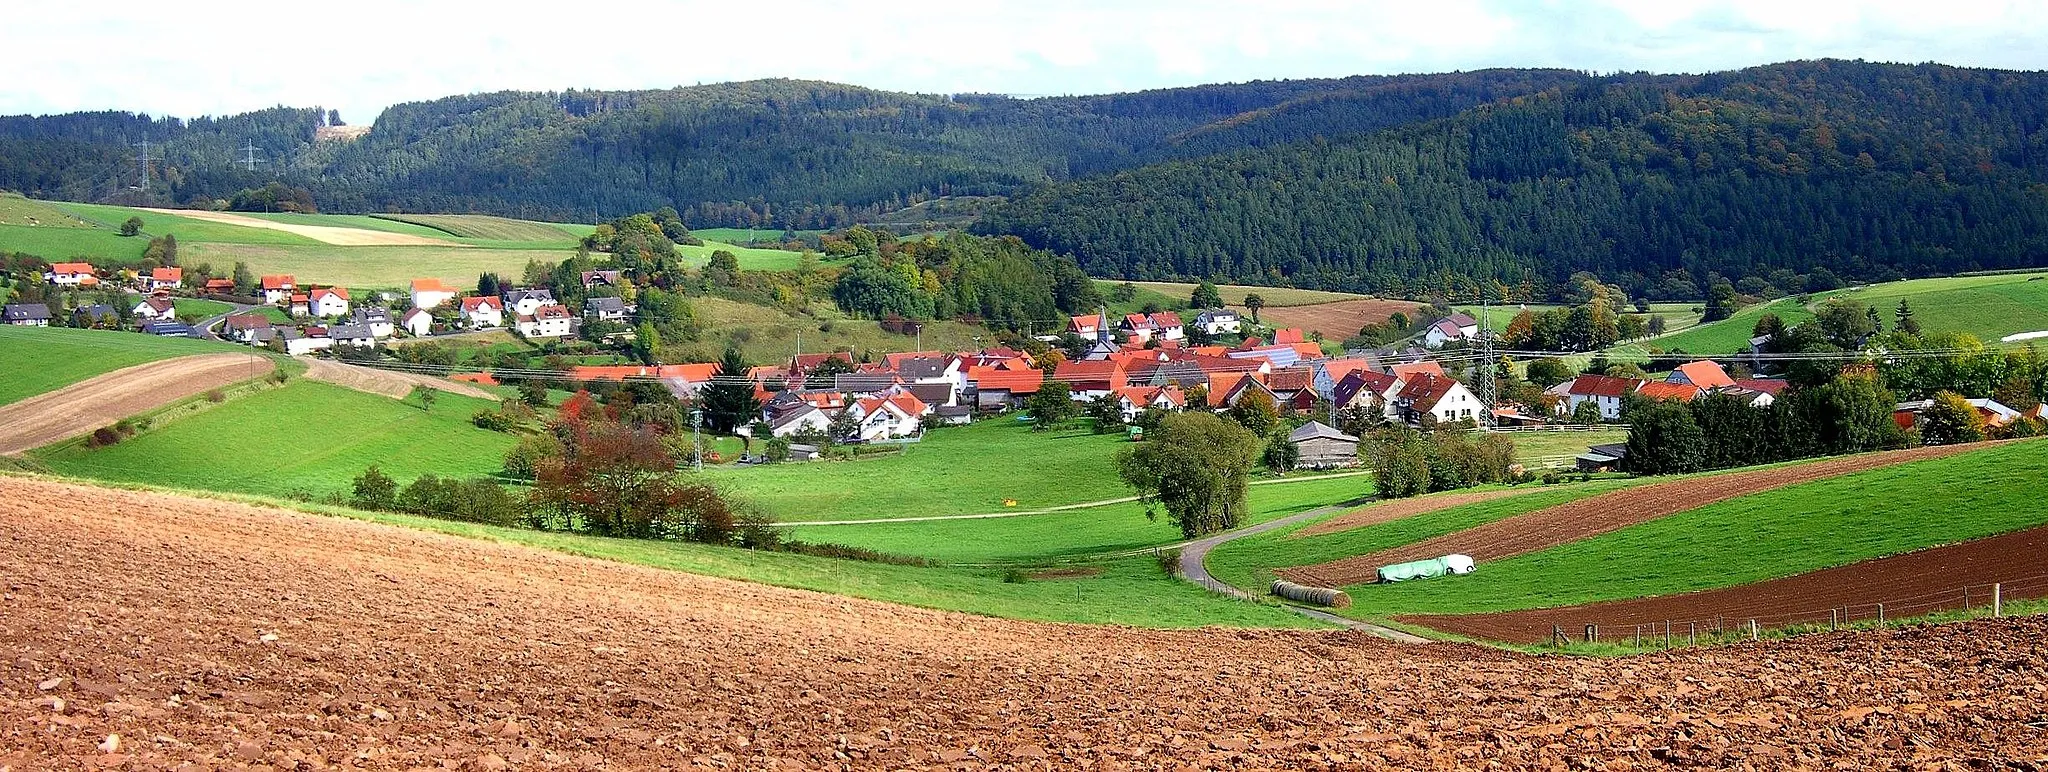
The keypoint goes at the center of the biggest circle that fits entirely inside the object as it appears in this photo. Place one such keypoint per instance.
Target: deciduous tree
(1196, 467)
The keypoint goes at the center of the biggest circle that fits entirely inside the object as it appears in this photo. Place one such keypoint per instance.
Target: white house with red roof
(278, 289)
(417, 322)
(72, 275)
(327, 302)
(167, 278)
(1458, 326)
(1603, 390)
(547, 322)
(482, 313)
(155, 310)
(896, 413)
(1441, 398)
(431, 293)
(1705, 374)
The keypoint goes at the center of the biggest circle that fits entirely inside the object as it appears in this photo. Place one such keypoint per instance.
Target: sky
(217, 58)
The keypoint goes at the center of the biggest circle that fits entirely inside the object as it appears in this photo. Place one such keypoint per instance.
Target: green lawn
(744, 235)
(1727, 336)
(1989, 307)
(34, 360)
(203, 308)
(1787, 531)
(188, 230)
(954, 471)
(1233, 294)
(1249, 562)
(365, 267)
(1532, 447)
(306, 437)
(768, 335)
(63, 244)
(751, 259)
(1072, 534)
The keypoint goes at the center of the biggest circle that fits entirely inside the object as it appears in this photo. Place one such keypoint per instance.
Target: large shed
(1323, 447)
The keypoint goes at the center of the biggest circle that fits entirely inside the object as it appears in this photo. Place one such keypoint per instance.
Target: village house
(72, 275)
(548, 321)
(1436, 397)
(155, 310)
(605, 309)
(219, 287)
(417, 322)
(1089, 326)
(245, 328)
(1134, 400)
(97, 316)
(1164, 326)
(1003, 387)
(483, 312)
(896, 414)
(26, 315)
(163, 279)
(1605, 391)
(1219, 321)
(1090, 379)
(376, 320)
(1323, 447)
(1705, 374)
(301, 305)
(355, 335)
(430, 293)
(1683, 392)
(278, 289)
(1910, 414)
(594, 279)
(524, 302)
(1368, 390)
(1456, 327)
(327, 302)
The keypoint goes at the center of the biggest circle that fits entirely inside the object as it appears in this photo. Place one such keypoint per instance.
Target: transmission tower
(1486, 373)
(142, 161)
(249, 159)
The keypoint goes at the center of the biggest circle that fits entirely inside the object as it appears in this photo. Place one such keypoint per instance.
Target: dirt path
(325, 234)
(1194, 567)
(1389, 511)
(386, 382)
(1045, 511)
(1910, 584)
(104, 399)
(231, 636)
(1595, 515)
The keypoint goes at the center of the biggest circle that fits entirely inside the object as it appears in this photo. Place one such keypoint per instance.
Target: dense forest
(1662, 184)
(1872, 171)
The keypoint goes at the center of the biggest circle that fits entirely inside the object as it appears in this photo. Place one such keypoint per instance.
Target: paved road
(1193, 556)
(205, 326)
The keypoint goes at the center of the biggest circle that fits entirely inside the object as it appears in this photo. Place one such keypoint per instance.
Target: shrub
(216, 396)
(492, 420)
(374, 490)
(103, 437)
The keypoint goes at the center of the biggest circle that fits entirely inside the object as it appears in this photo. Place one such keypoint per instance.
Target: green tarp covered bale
(1414, 569)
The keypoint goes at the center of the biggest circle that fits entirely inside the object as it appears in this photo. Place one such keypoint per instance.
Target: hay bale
(1301, 593)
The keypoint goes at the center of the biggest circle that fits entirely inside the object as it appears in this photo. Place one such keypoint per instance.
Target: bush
(102, 437)
(374, 490)
(492, 420)
(215, 396)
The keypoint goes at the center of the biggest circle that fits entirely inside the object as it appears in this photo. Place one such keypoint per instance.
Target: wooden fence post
(1752, 630)
(1997, 600)
(1592, 633)
(1667, 633)
(1834, 619)
(1692, 633)
(1880, 616)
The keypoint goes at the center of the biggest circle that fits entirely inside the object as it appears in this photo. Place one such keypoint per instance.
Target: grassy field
(1531, 447)
(744, 235)
(1249, 562)
(1787, 531)
(203, 308)
(767, 335)
(1989, 307)
(750, 258)
(187, 229)
(307, 437)
(1677, 316)
(62, 244)
(34, 360)
(367, 267)
(954, 471)
(1727, 336)
(16, 209)
(484, 227)
(1233, 294)
(1073, 534)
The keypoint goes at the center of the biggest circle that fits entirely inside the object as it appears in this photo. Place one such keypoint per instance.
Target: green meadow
(34, 360)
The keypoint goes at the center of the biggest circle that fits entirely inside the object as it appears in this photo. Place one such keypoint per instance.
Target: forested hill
(776, 152)
(1868, 170)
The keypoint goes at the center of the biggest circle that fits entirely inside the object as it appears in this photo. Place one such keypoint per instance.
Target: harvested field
(1388, 511)
(1338, 320)
(104, 399)
(1588, 517)
(325, 234)
(385, 382)
(1914, 583)
(150, 631)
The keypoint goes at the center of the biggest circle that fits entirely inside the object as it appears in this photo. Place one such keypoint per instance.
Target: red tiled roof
(1091, 375)
(1166, 320)
(1425, 391)
(1683, 392)
(1601, 386)
(167, 274)
(1771, 386)
(1291, 379)
(1020, 381)
(551, 312)
(695, 372)
(1413, 369)
(67, 269)
(430, 285)
(1287, 335)
(213, 284)
(473, 303)
(1705, 374)
(335, 291)
(281, 281)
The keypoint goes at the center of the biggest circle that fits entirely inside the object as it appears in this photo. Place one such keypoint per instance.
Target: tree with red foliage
(616, 480)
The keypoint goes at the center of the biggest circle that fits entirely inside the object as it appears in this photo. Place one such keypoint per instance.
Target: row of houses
(84, 275)
(1686, 383)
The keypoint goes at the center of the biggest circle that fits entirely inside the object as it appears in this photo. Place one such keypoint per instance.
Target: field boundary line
(1047, 510)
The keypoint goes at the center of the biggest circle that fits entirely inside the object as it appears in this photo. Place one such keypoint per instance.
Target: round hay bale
(1301, 593)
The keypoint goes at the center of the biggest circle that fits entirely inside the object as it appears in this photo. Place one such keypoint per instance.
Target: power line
(142, 161)
(249, 159)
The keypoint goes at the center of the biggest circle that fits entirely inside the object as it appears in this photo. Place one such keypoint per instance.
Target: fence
(1750, 620)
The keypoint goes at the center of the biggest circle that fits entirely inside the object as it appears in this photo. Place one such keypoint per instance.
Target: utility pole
(142, 161)
(249, 159)
(697, 436)
(1486, 372)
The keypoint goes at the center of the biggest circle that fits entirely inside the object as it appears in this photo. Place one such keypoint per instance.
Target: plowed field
(1338, 320)
(1389, 511)
(104, 399)
(146, 631)
(1911, 584)
(1592, 516)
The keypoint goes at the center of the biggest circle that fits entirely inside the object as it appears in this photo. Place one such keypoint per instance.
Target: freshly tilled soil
(103, 399)
(1395, 509)
(146, 631)
(1914, 583)
(388, 383)
(1595, 515)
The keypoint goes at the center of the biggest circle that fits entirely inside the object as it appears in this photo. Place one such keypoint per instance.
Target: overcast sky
(199, 58)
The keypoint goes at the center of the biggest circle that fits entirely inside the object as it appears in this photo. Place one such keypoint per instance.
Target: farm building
(1703, 373)
(99, 316)
(1602, 390)
(1600, 458)
(1323, 447)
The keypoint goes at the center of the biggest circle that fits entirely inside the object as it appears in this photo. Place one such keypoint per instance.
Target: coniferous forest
(1421, 183)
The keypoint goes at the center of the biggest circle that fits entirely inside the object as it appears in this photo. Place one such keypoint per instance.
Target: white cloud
(223, 57)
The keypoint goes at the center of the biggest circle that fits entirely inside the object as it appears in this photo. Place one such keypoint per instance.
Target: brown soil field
(1338, 320)
(386, 382)
(1595, 515)
(1914, 583)
(325, 234)
(1389, 511)
(149, 631)
(104, 399)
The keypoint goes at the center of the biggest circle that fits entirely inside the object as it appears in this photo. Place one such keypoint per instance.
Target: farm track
(216, 635)
(103, 399)
(1396, 509)
(325, 234)
(1595, 515)
(395, 385)
(1915, 583)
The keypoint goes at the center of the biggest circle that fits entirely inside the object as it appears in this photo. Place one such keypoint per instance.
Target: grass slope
(16, 209)
(1989, 307)
(1073, 534)
(305, 438)
(484, 227)
(1233, 294)
(34, 360)
(188, 230)
(1787, 531)
(750, 258)
(954, 471)
(1727, 336)
(768, 335)
(363, 267)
